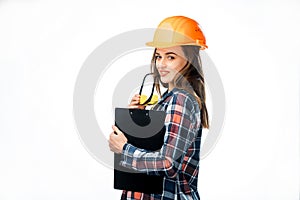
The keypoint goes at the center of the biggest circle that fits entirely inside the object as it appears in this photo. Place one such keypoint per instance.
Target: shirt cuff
(127, 155)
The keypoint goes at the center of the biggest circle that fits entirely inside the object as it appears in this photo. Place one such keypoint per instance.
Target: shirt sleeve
(181, 130)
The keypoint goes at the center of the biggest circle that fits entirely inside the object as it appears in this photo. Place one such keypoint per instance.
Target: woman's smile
(163, 73)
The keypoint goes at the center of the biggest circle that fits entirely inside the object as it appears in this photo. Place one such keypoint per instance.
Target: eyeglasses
(153, 98)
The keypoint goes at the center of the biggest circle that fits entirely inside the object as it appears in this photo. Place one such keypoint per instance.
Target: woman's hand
(117, 140)
(135, 102)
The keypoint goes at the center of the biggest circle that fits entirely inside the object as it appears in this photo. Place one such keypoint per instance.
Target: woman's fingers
(135, 99)
(117, 140)
(112, 142)
(116, 130)
(135, 102)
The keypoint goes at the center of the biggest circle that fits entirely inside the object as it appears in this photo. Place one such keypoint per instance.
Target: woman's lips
(163, 73)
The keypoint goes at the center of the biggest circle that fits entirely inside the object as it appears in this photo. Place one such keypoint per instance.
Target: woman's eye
(157, 57)
(171, 57)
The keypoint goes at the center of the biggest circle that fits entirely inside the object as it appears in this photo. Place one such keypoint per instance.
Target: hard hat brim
(166, 45)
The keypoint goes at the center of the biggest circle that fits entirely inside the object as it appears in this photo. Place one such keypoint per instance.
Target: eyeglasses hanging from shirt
(153, 98)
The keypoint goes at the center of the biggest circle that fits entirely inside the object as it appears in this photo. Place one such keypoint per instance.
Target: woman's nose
(162, 62)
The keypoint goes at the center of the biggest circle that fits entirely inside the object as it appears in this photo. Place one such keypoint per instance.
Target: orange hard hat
(176, 31)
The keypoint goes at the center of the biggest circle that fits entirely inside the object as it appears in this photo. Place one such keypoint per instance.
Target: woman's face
(169, 61)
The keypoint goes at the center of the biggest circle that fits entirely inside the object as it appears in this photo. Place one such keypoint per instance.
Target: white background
(43, 44)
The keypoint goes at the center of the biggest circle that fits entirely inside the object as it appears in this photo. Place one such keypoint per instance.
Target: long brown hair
(190, 78)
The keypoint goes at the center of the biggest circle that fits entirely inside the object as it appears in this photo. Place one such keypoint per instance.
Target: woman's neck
(170, 87)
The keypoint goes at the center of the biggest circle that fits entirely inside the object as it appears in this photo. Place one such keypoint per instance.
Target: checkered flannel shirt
(178, 159)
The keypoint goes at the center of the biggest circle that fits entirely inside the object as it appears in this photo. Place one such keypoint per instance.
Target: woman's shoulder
(183, 97)
(182, 93)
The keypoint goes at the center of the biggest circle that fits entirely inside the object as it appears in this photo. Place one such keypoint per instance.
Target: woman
(176, 64)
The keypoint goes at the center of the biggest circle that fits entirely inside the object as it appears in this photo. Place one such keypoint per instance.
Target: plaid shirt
(178, 159)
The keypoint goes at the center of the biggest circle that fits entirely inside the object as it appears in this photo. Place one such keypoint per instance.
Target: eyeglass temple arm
(142, 86)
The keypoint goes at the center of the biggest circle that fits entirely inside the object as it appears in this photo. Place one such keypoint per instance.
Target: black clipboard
(144, 129)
